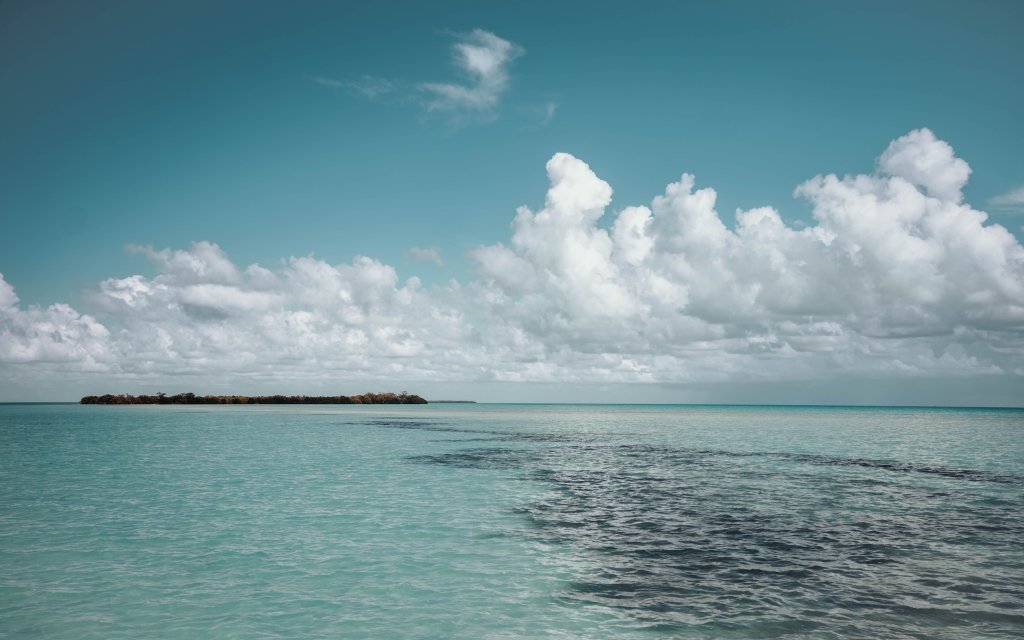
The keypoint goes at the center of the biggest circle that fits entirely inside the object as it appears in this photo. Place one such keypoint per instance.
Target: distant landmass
(454, 401)
(191, 398)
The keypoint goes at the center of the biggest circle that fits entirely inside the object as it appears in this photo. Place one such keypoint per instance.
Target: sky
(725, 202)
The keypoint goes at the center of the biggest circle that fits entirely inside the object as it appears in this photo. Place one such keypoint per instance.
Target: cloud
(305, 320)
(327, 82)
(54, 339)
(896, 279)
(547, 113)
(1011, 201)
(927, 162)
(367, 86)
(426, 254)
(481, 56)
(205, 262)
(484, 58)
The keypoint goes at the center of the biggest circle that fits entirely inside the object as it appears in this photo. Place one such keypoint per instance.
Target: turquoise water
(510, 521)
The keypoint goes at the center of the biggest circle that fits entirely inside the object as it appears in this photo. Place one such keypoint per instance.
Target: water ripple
(766, 544)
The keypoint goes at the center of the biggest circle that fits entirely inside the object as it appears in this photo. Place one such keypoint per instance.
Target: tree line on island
(191, 398)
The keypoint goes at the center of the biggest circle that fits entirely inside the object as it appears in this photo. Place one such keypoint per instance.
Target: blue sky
(278, 131)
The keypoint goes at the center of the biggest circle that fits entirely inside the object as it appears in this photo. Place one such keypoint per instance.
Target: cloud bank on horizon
(898, 277)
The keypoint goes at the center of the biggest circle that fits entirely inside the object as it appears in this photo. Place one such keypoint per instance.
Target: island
(191, 398)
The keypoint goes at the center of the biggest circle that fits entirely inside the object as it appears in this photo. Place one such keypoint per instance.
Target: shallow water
(511, 521)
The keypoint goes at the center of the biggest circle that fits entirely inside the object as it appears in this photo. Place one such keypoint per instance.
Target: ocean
(510, 521)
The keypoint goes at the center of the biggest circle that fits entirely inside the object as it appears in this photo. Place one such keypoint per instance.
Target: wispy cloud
(426, 254)
(1012, 200)
(327, 82)
(484, 58)
(366, 86)
(548, 113)
(538, 116)
(371, 87)
(481, 56)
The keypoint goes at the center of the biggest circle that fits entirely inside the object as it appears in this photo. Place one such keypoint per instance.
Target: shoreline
(191, 398)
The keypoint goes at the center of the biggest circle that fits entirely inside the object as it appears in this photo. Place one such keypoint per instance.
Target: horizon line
(608, 404)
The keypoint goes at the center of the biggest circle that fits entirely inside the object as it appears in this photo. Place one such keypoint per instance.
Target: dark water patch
(412, 425)
(490, 434)
(690, 456)
(490, 458)
(464, 440)
(495, 439)
(704, 457)
(530, 436)
(971, 475)
(689, 552)
(760, 544)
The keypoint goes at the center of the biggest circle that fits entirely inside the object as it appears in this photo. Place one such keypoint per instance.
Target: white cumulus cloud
(54, 339)
(897, 275)
(927, 162)
(896, 278)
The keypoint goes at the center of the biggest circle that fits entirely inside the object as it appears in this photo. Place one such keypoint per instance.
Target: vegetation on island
(191, 398)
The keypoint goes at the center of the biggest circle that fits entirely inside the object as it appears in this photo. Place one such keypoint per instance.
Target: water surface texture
(510, 521)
